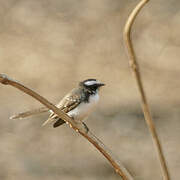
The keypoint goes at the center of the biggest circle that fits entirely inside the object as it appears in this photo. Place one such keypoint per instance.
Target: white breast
(83, 109)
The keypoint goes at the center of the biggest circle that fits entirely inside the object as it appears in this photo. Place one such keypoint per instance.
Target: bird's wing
(69, 102)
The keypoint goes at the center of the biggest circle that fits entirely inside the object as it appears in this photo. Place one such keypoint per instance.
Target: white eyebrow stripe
(89, 83)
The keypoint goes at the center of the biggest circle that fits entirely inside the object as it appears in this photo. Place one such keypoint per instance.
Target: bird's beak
(101, 84)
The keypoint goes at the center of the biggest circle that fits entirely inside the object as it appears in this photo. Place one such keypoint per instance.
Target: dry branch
(145, 107)
(119, 168)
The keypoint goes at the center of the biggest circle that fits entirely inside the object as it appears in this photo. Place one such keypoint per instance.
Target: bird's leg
(81, 125)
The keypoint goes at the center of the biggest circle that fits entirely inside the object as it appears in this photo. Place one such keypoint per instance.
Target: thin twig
(119, 168)
(135, 69)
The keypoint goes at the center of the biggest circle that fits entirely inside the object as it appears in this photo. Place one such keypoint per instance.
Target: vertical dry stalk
(135, 69)
(117, 165)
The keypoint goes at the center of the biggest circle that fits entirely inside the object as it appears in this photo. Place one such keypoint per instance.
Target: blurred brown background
(50, 45)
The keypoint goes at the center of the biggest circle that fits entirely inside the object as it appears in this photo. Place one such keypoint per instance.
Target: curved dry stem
(119, 168)
(135, 69)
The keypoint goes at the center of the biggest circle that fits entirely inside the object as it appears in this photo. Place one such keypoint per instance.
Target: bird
(78, 103)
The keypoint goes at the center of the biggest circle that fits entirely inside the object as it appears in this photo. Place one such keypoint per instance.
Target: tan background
(50, 45)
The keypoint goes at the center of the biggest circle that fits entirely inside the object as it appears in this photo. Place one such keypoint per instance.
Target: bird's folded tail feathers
(57, 121)
(29, 113)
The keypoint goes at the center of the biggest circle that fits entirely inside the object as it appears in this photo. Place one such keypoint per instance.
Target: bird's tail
(56, 122)
(29, 113)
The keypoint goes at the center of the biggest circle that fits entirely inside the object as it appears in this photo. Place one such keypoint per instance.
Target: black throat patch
(86, 94)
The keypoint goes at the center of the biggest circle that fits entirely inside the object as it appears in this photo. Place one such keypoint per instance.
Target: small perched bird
(78, 103)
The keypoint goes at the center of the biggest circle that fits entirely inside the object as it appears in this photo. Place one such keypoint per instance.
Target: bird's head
(91, 85)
